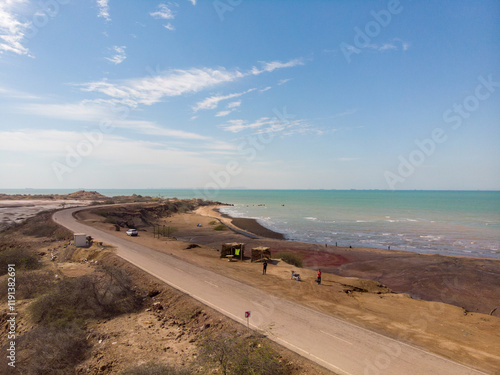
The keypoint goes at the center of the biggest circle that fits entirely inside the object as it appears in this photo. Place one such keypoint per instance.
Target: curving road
(333, 343)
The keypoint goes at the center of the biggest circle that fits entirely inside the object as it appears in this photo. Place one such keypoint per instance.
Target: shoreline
(252, 226)
(451, 279)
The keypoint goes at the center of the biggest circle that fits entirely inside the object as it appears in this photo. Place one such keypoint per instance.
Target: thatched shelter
(259, 253)
(234, 250)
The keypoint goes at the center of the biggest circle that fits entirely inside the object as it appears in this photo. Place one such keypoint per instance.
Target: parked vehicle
(132, 232)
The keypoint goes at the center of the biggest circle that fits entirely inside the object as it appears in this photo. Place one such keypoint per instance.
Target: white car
(132, 232)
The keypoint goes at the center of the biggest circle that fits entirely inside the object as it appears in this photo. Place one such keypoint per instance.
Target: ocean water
(439, 222)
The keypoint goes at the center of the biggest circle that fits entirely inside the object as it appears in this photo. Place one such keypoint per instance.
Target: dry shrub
(240, 356)
(20, 256)
(152, 368)
(293, 259)
(30, 284)
(101, 295)
(49, 351)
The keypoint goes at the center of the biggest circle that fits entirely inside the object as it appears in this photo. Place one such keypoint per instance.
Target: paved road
(333, 343)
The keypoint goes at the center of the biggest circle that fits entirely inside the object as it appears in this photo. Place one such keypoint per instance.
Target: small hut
(233, 250)
(261, 252)
(81, 240)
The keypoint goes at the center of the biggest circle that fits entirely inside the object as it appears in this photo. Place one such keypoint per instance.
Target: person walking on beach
(318, 279)
(264, 267)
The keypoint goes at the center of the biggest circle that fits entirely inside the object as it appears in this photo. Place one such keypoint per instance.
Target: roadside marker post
(247, 315)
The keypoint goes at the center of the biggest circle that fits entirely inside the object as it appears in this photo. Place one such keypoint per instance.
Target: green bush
(220, 227)
(293, 259)
(213, 222)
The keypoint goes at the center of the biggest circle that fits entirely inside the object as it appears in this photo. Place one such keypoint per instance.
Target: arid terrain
(404, 299)
(165, 331)
(398, 294)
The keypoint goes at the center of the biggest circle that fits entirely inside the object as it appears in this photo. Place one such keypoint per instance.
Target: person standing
(264, 267)
(318, 279)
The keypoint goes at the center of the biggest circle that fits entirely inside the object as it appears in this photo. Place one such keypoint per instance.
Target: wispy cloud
(152, 89)
(223, 113)
(396, 45)
(265, 89)
(283, 81)
(192, 2)
(273, 65)
(14, 94)
(163, 12)
(169, 27)
(270, 125)
(69, 111)
(12, 30)
(213, 101)
(103, 9)
(55, 142)
(119, 55)
(234, 104)
(92, 112)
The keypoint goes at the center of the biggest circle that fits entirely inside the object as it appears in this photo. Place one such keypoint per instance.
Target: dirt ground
(472, 338)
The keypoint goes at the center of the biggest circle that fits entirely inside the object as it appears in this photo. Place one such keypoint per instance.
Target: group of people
(264, 271)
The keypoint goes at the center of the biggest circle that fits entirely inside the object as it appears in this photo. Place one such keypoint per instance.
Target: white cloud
(283, 81)
(14, 94)
(119, 56)
(55, 143)
(169, 27)
(152, 89)
(396, 44)
(271, 125)
(234, 104)
(151, 128)
(163, 12)
(12, 30)
(273, 65)
(103, 9)
(92, 112)
(70, 111)
(193, 2)
(222, 113)
(266, 89)
(213, 101)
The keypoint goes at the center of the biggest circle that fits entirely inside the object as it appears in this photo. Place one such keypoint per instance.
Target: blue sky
(250, 94)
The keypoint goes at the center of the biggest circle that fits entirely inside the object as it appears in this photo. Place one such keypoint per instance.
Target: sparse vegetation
(30, 284)
(152, 368)
(42, 225)
(103, 294)
(213, 222)
(220, 227)
(240, 356)
(51, 350)
(20, 256)
(293, 259)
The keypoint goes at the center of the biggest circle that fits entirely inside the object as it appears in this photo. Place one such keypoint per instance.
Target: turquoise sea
(440, 222)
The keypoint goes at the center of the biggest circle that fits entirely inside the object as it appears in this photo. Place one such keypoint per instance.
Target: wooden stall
(233, 250)
(259, 253)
